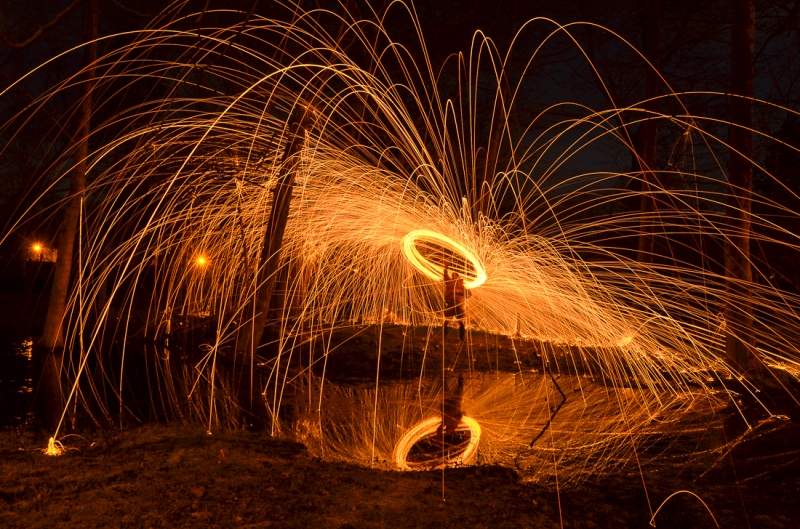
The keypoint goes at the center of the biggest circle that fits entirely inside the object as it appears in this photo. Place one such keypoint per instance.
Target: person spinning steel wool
(451, 409)
(455, 296)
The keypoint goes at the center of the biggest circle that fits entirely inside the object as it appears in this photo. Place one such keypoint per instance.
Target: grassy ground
(158, 476)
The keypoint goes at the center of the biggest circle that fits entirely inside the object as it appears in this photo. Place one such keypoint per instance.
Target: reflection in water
(541, 426)
(16, 382)
(428, 446)
(25, 348)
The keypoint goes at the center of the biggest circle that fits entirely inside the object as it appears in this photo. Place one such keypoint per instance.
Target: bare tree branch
(36, 34)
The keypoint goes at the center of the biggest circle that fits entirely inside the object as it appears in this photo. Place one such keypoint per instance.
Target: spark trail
(397, 162)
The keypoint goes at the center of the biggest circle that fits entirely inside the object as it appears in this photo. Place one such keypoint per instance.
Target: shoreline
(177, 476)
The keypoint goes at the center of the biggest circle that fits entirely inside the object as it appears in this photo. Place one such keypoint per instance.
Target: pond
(541, 422)
(16, 382)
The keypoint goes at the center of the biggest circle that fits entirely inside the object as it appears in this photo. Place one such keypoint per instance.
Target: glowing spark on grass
(473, 277)
(54, 448)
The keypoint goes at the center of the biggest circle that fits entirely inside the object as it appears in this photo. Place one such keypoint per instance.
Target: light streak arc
(434, 271)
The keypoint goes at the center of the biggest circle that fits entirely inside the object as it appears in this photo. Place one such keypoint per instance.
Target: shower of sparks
(401, 172)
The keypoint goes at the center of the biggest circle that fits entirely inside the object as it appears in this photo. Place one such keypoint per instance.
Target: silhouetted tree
(740, 184)
(50, 346)
(648, 131)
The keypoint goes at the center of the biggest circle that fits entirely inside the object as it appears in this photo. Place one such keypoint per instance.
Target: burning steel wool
(261, 171)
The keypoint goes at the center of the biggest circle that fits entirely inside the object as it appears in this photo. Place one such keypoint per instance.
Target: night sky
(692, 53)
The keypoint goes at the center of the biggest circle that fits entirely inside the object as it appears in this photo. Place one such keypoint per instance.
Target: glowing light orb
(201, 261)
(37, 248)
(474, 278)
(428, 427)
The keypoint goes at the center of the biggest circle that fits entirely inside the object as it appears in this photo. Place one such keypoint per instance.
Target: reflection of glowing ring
(433, 270)
(428, 427)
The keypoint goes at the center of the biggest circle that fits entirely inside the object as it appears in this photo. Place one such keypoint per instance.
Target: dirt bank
(159, 476)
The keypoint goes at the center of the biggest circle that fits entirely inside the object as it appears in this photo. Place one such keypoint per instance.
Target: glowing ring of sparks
(428, 427)
(433, 270)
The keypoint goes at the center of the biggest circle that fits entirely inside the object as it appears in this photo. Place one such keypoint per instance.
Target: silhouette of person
(455, 296)
(451, 410)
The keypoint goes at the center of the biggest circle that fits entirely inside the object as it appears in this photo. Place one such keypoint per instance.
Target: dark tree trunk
(740, 183)
(647, 134)
(269, 261)
(49, 352)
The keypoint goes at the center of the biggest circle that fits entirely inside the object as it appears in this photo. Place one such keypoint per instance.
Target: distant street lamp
(38, 250)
